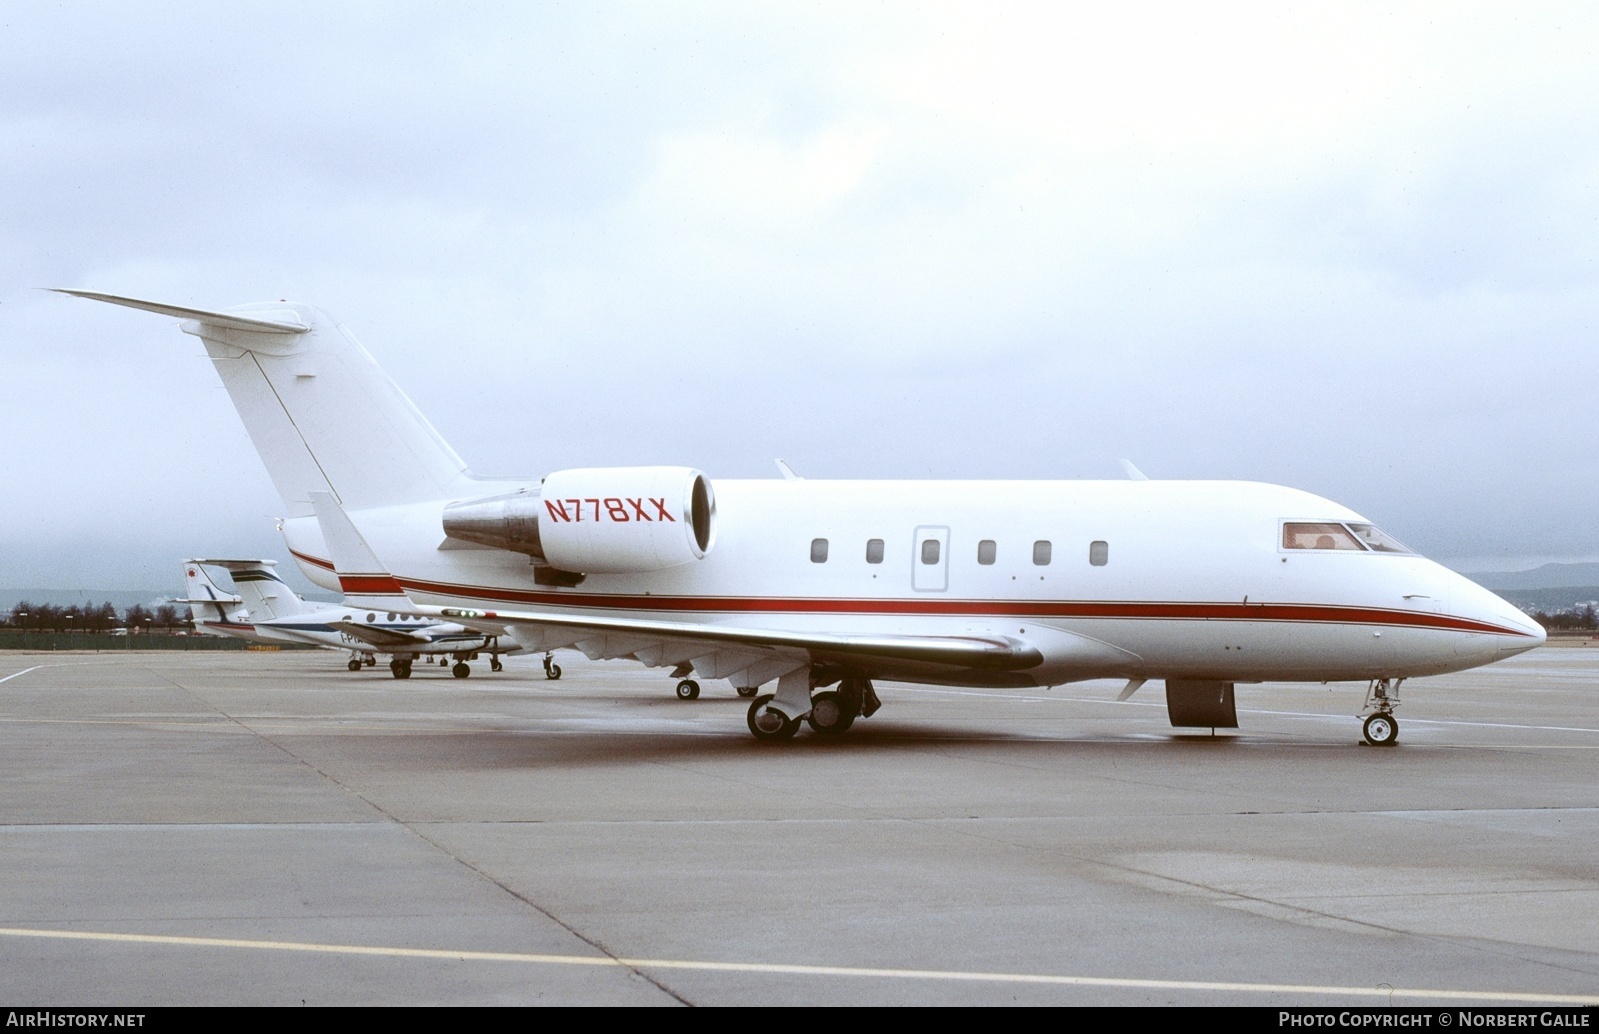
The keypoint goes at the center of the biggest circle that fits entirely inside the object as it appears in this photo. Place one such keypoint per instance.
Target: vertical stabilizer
(267, 596)
(208, 604)
(323, 416)
(364, 579)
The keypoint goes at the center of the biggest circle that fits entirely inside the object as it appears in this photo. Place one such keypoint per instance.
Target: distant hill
(121, 599)
(1549, 576)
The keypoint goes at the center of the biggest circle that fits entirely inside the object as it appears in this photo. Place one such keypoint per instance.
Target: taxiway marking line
(24, 671)
(802, 970)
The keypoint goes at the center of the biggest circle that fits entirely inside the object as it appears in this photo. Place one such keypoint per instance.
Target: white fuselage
(1195, 581)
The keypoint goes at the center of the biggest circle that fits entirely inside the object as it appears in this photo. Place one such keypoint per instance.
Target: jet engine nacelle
(601, 520)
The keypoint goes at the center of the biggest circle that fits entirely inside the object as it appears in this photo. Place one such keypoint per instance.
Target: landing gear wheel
(401, 669)
(495, 665)
(552, 671)
(828, 716)
(1381, 730)
(353, 664)
(748, 691)
(770, 725)
(460, 670)
(371, 661)
(688, 689)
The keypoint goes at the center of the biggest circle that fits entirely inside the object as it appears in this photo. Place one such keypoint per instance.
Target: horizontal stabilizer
(234, 565)
(215, 319)
(219, 599)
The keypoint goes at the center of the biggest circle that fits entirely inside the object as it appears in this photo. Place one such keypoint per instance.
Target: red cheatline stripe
(369, 584)
(1284, 612)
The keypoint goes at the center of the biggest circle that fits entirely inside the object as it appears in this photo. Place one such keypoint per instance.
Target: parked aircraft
(266, 610)
(822, 587)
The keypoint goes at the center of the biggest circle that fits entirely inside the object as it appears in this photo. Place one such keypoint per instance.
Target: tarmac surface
(272, 829)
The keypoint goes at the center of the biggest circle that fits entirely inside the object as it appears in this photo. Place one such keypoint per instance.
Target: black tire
(771, 732)
(748, 691)
(688, 689)
(495, 665)
(553, 672)
(353, 665)
(829, 715)
(401, 669)
(1381, 730)
(461, 670)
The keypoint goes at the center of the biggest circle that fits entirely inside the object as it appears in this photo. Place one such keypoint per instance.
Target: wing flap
(378, 636)
(998, 653)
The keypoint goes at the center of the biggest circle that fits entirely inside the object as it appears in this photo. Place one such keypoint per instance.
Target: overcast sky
(1348, 248)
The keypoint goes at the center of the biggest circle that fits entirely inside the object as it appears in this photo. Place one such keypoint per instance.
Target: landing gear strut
(1381, 728)
(552, 671)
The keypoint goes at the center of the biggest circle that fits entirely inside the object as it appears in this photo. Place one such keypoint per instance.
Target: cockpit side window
(1377, 540)
(1319, 536)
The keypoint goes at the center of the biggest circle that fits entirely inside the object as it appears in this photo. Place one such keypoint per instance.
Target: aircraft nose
(1521, 633)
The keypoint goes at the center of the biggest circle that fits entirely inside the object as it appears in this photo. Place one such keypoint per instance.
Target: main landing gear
(1381, 728)
(354, 664)
(400, 667)
(688, 689)
(461, 670)
(831, 713)
(552, 671)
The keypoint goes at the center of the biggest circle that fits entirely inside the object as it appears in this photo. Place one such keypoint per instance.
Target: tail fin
(266, 595)
(321, 413)
(364, 579)
(207, 602)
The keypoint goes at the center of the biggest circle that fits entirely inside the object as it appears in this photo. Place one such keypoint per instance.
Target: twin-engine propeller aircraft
(822, 587)
(265, 610)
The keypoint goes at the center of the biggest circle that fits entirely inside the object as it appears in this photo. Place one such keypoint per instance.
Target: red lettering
(617, 511)
(596, 503)
(660, 508)
(638, 509)
(577, 504)
(557, 509)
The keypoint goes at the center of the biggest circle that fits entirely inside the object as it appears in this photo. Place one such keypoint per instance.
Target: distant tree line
(1575, 619)
(89, 617)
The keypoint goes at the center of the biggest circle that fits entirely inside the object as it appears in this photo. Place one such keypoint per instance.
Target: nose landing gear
(1381, 728)
(552, 671)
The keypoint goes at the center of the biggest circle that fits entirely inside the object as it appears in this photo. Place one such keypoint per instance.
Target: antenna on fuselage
(1132, 472)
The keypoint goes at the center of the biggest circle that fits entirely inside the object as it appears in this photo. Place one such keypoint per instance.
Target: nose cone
(1513, 631)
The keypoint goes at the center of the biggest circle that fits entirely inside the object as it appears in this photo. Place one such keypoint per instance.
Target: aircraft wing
(719, 650)
(381, 637)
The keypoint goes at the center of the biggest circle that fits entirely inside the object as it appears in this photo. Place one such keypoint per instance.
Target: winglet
(215, 319)
(787, 471)
(359, 570)
(1133, 473)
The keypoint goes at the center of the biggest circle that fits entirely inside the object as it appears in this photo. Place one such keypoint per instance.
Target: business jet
(821, 589)
(265, 610)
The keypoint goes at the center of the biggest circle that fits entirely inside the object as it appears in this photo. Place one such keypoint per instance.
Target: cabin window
(986, 551)
(1377, 540)
(930, 551)
(1099, 553)
(371, 618)
(874, 551)
(818, 551)
(1042, 551)
(1319, 536)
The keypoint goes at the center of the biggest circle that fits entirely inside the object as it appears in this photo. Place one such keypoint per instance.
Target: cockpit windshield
(1377, 540)
(1337, 535)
